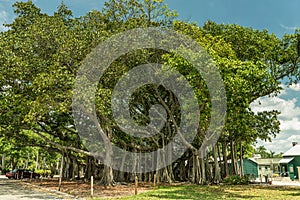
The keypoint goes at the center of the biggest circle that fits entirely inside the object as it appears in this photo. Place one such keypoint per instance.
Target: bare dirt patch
(81, 189)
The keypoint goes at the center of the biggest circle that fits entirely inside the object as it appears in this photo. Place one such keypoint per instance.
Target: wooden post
(154, 181)
(61, 170)
(136, 185)
(92, 186)
(31, 176)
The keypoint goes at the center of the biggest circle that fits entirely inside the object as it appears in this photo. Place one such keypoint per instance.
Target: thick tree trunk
(61, 171)
(3, 161)
(121, 173)
(134, 166)
(158, 172)
(165, 173)
(224, 153)
(196, 170)
(232, 153)
(88, 171)
(217, 171)
(168, 160)
(209, 171)
(53, 169)
(171, 173)
(107, 176)
(37, 166)
(203, 174)
(182, 171)
(78, 170)
(145, 174)
(12, 162)
(72, 168)
(66, 170)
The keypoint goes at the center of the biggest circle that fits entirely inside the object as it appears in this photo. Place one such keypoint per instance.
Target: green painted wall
(295, 163)
(250, 167)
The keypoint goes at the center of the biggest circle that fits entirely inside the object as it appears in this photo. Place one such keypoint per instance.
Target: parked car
(22, 173)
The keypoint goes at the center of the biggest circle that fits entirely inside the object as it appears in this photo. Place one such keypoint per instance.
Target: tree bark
(61, 171)
(196, 170)
(107, 176)
(37, 160)
(203, 179)
(232, 153)
(241, 159)
(217, 171)
(3, 161)
(224, 153)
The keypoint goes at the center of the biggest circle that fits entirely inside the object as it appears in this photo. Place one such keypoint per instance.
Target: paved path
(286, 183)
(12, 190)
(281, 181)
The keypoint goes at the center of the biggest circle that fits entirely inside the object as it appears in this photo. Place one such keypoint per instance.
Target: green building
(261, 166)
(250, 167)
(290, 163)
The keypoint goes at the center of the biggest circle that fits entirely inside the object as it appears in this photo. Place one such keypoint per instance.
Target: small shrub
(44, 173)
(275, 175)
(236, 180)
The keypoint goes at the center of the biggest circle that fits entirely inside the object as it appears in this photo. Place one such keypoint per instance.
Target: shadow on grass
(294, 194)
(277, 188)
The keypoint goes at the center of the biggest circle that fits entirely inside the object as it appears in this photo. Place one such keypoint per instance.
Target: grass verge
(218, 192)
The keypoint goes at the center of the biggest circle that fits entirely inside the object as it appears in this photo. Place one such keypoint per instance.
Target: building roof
(294, 151)
(265, 161)
(286, 160)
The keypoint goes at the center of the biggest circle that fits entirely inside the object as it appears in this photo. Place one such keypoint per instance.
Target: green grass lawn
(219, 192)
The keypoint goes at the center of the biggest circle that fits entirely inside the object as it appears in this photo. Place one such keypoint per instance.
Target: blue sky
(277, 16)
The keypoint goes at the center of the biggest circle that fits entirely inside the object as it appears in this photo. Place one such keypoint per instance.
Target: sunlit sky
(277, 16)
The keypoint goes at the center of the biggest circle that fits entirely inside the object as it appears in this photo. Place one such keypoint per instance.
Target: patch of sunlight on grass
(191, 192)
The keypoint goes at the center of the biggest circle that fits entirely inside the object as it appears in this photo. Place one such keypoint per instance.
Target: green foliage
(236, 180)
(43, 173)
(40, 55)
(267, 154)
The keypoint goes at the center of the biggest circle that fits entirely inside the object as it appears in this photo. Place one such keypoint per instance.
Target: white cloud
(287, 108)
(293, 124)
(283, 91)
(294, 138)
(277, 145)
(289, 118)
(295, 87)
(4, 16)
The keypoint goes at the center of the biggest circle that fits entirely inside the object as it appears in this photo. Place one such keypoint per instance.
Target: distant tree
(279, 155)
(271, 154)
(262, 151)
